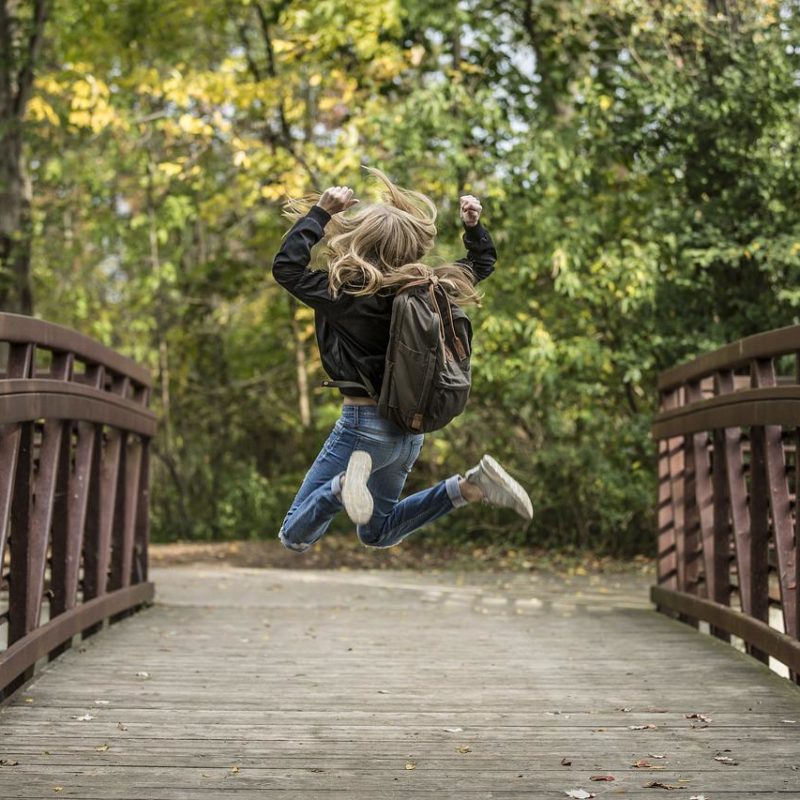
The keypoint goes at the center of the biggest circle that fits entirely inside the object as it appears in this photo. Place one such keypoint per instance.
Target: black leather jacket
(354, 330)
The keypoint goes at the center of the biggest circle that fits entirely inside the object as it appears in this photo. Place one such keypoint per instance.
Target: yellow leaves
(605, 102)
(281, 46)
(559, 261)
(196, 127)
(170, 168)
(470, 68)
(40, 110)
(271, 191)
(385, 68)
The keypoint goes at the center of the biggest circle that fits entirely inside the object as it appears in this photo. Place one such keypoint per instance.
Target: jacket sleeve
(481, 253)
(290, 265)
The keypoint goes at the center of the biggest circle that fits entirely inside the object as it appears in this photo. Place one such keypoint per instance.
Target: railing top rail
(15, 328)
(732, 356)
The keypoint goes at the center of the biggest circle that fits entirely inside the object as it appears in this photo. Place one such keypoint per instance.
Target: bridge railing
(728, 431)
(74, 434)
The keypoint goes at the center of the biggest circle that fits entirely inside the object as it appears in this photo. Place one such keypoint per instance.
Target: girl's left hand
(470, 210)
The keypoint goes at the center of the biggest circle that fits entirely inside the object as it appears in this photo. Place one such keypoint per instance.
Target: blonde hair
(381, 245)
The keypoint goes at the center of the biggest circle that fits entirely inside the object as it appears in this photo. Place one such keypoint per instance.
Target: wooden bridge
(305, 684)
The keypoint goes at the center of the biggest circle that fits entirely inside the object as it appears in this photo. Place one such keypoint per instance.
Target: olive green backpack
(427, 376)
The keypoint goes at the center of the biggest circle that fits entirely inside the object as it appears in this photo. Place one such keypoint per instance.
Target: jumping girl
(366, 459)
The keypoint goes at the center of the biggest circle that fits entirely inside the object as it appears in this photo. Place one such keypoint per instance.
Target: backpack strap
(366, 384)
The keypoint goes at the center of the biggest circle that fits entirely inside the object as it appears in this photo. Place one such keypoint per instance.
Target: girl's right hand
(336, 199)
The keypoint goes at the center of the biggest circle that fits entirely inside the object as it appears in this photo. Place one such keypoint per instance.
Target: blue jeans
(393, 455)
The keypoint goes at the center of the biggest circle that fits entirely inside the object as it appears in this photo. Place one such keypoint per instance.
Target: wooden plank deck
(323, 684)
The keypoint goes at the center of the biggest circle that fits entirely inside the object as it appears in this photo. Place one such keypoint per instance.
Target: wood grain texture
(304, 684)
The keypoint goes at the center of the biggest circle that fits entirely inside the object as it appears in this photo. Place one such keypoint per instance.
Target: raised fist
(470, 210)
(336, 199)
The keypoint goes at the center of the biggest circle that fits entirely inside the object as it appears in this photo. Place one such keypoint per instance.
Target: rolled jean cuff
(298, 547)
(453, 492)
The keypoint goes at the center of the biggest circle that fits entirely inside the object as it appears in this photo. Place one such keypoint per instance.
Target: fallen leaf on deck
(411, 765)
(8, 762)
(102, 748)
(698, 797)
(464, 749)
(625, 710)
(454, 730)
(143, 675)
(644, 764)
(101, 702)
(579, 794)
(660, 785)
(789, 721)
(84, 718)
(234, 769)
(657, 755)
(383, 691)
(726, 760)
(121, 727)
(648, 727)
(602, 778)
(566, 762)
(58, 788)
(701, 717)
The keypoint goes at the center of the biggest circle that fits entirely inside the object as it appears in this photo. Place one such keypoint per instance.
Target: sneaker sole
(356, 497)
(499, 476)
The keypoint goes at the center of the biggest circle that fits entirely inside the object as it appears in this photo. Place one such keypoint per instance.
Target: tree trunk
(20, 44)
(15, 223)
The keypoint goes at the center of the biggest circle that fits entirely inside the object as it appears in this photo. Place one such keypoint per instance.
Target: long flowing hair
(381, 245)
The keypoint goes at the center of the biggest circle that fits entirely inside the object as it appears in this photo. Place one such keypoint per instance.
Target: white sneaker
(356, 497)
(499, 488)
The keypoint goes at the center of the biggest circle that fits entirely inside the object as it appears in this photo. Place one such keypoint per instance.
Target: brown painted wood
(762, 637)
(142, 529)
(667, 563)
(21, 329)
(733, 356)
(734, 482)
(676, 452)
(125, 514)
(20, 525)
(61, 369)
(19, 365)
(41, 519)
(74, 402)
(698, 507)
(62, 461)
(779, 405)
(780, 506)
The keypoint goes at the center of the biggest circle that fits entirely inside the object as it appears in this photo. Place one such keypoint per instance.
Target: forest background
(637, 162)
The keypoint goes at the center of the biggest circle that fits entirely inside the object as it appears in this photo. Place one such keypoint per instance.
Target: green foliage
(638, 164)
